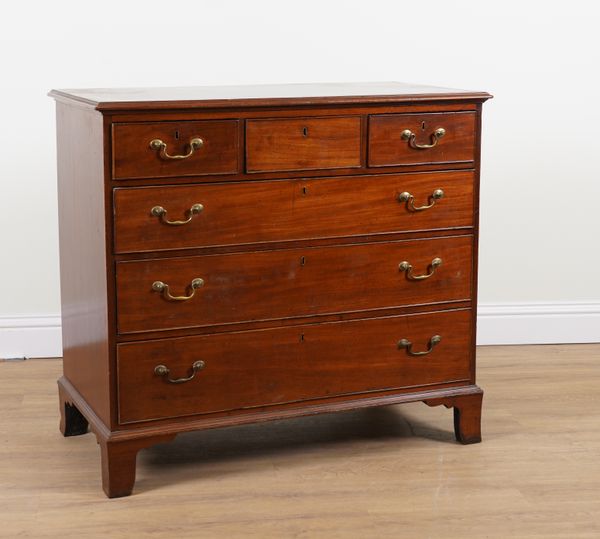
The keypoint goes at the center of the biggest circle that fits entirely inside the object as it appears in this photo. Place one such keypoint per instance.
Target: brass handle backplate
(160, 212)
(407, 134)
(157, 144)
(163, 370)
(163, 288)
(407, 267)
(410, 200)
(407, 345)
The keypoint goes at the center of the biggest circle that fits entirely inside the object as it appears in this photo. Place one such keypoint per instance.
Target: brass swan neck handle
(407, 267)
(407, 345)
(157, 144)
(407, 134)
(160, 212)
(163, 370)
(163, 288)
(407, 197)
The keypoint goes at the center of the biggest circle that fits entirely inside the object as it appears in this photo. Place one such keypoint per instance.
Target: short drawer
(268, 285)
(179, 217)
(276, 366)
(162, 149)
(421, 139)
(302, 143)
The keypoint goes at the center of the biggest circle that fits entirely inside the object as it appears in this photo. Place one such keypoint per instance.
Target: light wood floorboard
(388, 472)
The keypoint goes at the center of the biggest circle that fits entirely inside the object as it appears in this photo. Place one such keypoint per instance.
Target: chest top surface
(262, 95)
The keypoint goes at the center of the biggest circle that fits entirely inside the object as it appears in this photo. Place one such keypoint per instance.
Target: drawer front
(244, 287)
(275, 366)
(391, 144)
(137, 152)
(254, 212)
(302, 144)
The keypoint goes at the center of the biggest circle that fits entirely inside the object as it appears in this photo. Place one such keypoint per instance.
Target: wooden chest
(240, 254)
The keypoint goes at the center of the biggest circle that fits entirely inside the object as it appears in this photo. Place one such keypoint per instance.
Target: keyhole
(423, 126)
(302, 260)
(176, 135)
(305, 131)
(305, 190)
(301, 337)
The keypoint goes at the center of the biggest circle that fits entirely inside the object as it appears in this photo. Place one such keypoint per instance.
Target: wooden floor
(388, 472)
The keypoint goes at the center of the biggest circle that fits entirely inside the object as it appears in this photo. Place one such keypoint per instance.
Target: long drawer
(165, 218)
(183, 292)
(274, 366)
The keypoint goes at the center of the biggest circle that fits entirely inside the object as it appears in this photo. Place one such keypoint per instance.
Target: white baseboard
(524, 323)
(30, 336)
(538, 323)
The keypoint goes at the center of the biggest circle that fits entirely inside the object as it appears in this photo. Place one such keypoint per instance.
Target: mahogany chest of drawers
(239, 254)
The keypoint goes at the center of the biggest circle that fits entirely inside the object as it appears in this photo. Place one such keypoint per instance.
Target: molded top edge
(105, 99)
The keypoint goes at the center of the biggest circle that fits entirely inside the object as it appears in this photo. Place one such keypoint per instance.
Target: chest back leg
(72, 421)
(467, 414)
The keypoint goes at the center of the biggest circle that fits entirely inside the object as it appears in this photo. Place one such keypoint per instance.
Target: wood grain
(258, 368)
(387, 148)
(380, 472)
(328, 261)
(134, 158)
(303, 143)
(119, 463)
(83, 260)
(289, 210)
(283, 113)
(290, 283)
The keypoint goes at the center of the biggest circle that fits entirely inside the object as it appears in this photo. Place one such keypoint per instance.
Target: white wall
(540, 255)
